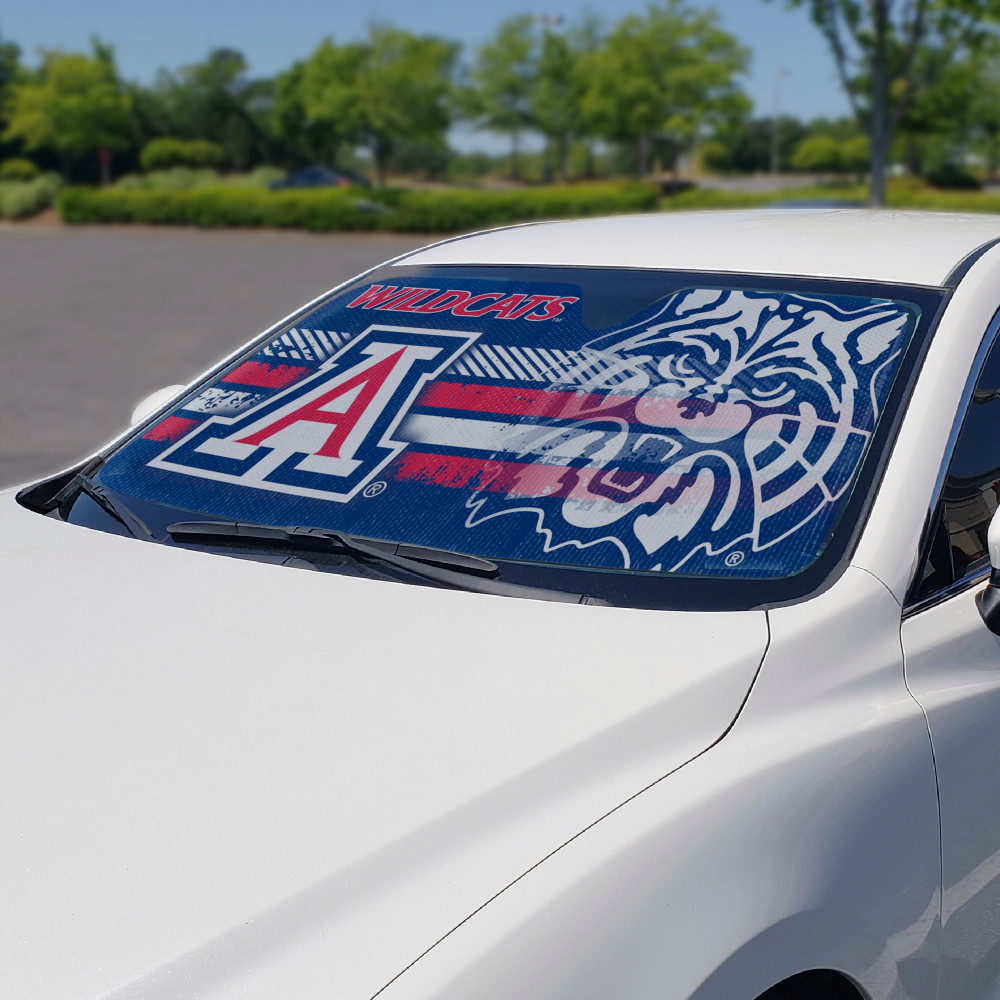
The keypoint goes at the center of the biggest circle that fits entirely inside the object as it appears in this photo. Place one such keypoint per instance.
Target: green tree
(841, 129)
(559, 86)
(982, 110)
(395, 87)
(856, 154)
(10, 61)
(165, 153)
(10, 71)
(818, 153)
(715, 155)
(935, 120)
(214, 99)
(961, 112)
(887, 55)
(555, 100)
(73, 104)
(663, 75)
(301, 138)
(405, 91)
(10, 67)
(503, 81)
(317, 101)
(748, 142)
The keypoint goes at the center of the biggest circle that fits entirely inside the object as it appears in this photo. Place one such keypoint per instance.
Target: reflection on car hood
(224, 778)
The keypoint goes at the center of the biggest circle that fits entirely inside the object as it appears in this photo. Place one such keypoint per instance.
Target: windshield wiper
(319, 539)
(106, 501)
(442, 566)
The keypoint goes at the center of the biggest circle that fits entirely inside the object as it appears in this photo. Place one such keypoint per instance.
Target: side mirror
(151, 403)
(988, 600)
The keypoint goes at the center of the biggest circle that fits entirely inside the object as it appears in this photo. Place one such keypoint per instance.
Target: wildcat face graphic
(729, 420)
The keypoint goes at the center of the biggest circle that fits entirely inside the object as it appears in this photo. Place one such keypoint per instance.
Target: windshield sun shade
(705, 430)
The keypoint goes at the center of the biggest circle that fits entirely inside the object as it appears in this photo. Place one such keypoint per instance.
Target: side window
(971, 490)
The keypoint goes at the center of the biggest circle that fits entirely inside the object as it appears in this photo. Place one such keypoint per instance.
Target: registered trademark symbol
(374, 489)
(733, 559)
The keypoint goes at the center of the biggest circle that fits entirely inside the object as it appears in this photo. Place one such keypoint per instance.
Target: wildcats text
(462, 303)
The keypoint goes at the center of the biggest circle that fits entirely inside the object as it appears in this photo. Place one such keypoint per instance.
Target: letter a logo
(329, 434)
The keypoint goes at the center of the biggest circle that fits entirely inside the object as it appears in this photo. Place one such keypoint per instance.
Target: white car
(577, 611)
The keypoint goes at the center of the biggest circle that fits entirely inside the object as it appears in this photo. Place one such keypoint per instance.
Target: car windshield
(620, 424)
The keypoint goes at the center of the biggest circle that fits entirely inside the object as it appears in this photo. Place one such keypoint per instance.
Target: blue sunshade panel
(715, 433)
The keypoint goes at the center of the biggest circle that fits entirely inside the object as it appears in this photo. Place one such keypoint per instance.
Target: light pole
(776, 119)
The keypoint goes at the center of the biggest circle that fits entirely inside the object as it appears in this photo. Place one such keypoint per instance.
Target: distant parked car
(813, 203)
(317, 176)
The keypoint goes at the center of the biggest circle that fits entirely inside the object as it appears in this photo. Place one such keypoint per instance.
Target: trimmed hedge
(703, 198)
(189, 179)
(18, 168)
(162, 154)
(215, 207)
(903, 193)
(327, 210)
(20, 199)
(947, 201)
(449, 211)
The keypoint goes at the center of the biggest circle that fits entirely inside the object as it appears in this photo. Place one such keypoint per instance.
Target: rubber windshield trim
(962, 268)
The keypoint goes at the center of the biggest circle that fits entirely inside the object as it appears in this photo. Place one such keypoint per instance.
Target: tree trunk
(912, 155)
(381, 154)
(104, 162)
(642, 150)
(880, 137)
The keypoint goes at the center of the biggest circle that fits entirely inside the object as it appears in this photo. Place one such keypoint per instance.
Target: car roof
(914, 247)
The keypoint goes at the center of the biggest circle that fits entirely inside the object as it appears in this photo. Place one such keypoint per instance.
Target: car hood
(223, 778)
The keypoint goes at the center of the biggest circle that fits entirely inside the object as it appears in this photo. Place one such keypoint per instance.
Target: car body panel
(807, 838)
(217, 795)
(217, 762)
(953, 669)
(888, 547)
(911, 247)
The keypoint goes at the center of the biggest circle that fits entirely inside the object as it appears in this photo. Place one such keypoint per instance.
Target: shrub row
(946, 201)
(189, 178)
(325, 210)
(699, 198)
(161, 154)
(216, 207)
(17, 168)
(904, 193)
(19, 199)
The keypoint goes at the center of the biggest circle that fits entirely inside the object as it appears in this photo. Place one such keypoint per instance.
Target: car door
(952, 665)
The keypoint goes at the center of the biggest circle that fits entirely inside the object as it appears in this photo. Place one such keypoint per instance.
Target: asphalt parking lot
(91, 320)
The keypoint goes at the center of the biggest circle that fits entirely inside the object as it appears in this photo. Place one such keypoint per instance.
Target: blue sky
(272, 34)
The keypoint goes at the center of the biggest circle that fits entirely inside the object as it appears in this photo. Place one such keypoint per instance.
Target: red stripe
(656, 411)
(526, 479)
(266, 375)
(170, 429)
(514, 401)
